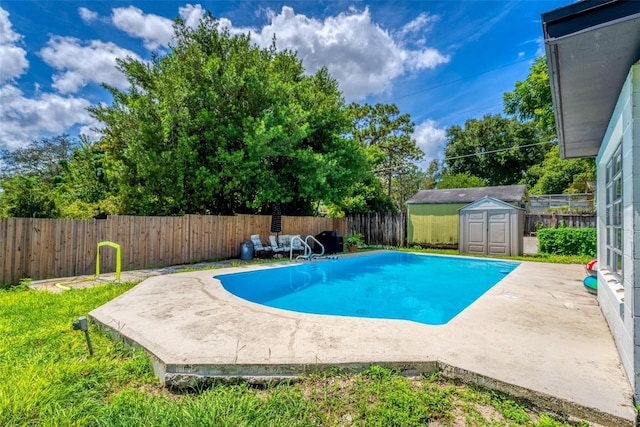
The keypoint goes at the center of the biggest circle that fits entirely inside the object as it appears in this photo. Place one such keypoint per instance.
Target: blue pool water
(428, 289)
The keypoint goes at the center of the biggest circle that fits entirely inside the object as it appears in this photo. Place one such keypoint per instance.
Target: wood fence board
(34, 248)
(61, 242)
(18, 249)
(4, 251)
(533, 222)
(85, 238)
(379, 228)
(44, 248)
(8, 271)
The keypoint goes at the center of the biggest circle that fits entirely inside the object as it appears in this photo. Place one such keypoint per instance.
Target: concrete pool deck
(536, 335)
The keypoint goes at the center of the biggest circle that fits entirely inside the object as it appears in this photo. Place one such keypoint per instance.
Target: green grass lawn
(49, 379)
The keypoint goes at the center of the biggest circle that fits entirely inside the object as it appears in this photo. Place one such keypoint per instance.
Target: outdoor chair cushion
(274, 245)
(258, 247)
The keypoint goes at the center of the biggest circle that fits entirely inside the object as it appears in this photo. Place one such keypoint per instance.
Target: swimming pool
(429, 289)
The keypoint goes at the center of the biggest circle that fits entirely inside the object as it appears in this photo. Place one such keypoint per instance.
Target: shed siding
(492, 227)
(433, 223)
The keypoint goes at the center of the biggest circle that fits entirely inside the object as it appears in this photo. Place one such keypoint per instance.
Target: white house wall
(620, 302)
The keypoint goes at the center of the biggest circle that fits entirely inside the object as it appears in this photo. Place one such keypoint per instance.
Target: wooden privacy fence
(533, 222)
(380, 228)
(391, 228)
(40, 248)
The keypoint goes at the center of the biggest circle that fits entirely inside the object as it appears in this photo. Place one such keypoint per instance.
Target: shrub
(567, 241)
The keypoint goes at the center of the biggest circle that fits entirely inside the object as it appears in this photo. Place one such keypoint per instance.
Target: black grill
(332, 242)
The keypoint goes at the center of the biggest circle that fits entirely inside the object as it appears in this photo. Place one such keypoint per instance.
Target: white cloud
(424, 58)
(156, 31)
(24, 119)
(362, 56)
(14, 62)
(87, 15)
(81, 63)
(14, 58)
(418, 26)
(431, 139)
(7, 35)
(153, 29)
(191, 15)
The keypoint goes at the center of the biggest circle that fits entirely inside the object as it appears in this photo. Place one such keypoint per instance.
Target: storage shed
(491, 227)
(432, 215)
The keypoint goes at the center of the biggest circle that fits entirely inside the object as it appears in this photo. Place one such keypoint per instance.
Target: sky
(442, 62)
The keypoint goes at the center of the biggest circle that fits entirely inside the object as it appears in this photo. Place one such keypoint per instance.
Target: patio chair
(286, 243)
(259, 248)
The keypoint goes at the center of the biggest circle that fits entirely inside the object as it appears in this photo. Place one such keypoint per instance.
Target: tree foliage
(31, 176)
(59, 177)
(492, 149)
(27, 196)
(367, 196)
(432, 175)
(460, 180)
(555, 175)
(44, 157)
(386, 136)
(531, 99)
(407, 181)
(220, 126)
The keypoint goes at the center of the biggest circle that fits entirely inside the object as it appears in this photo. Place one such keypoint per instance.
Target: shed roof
(506, 193)
(488, 203)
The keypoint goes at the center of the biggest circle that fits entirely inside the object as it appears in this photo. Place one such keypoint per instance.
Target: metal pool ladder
(308, 252)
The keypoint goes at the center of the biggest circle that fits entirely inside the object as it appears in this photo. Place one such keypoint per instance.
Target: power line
(553, 141)
(446, 159)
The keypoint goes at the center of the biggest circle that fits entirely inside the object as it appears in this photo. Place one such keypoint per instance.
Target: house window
(614, 213)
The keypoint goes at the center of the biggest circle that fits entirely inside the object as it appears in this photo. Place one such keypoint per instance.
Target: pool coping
(536, 335)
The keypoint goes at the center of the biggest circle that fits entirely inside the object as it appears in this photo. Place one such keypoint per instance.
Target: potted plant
(353, 240)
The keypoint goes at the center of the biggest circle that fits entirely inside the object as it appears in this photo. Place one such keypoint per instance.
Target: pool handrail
(311, 254)
(306, 247)
(308, 252)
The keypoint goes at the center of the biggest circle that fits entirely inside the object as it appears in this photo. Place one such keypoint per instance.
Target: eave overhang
(590, 47)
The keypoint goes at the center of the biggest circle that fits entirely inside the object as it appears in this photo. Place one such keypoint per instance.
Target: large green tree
(218, 125)
(386, 135)
(497, 149)
(555, 175)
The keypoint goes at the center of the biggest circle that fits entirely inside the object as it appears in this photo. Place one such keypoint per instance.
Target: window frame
(614, 214)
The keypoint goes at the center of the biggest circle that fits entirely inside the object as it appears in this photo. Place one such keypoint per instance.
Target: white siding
(620, 300)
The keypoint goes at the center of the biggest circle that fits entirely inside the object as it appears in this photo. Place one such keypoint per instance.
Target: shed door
(476, 232)
(498, 234)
